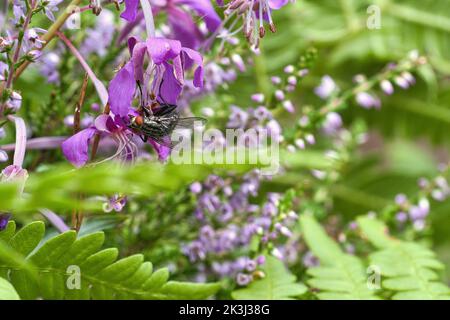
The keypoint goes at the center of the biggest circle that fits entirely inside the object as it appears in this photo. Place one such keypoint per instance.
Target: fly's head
(136, 122)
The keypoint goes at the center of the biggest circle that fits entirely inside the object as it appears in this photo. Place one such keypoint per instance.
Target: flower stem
(101, 90)
(16, 55)
(148, 16)
(54, 28)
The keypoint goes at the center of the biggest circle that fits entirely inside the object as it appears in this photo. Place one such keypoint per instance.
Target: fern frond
(57, 261)
(409, 268)
(340, 275)
(278, 284)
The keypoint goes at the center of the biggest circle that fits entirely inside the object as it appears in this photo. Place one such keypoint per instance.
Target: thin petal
(76, 148)
(206, 11)
(184, 28)
(131, 9)
(194, 56)
(171, 88)
(138, 55)
(121, 90)
(277, 4)
(162, 151)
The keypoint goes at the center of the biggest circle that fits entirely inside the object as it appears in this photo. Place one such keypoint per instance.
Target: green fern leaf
(100, 275)
(278, 284)
(409, 268)
(340, 275)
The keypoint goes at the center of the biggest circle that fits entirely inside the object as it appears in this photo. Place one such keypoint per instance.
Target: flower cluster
(416, 210)
(229, 223)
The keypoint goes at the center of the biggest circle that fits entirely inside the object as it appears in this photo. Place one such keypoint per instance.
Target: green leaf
(93, 274)
(28, 238)
(408, 269)
(278, 284)
(7, 291)
(8, 232)
(340, 275)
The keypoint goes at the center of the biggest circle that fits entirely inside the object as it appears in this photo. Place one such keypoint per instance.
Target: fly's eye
(139, 120)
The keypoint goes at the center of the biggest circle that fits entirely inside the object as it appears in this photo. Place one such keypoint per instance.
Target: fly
(160, 125)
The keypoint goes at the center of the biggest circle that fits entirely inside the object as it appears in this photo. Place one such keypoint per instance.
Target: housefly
(160, 124)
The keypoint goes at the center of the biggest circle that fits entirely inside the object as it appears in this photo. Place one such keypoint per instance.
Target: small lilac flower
(438, 195)
(401, 199)
(251, 265)
(238, 118)
(14, 102)
(50, 7)
(4, 69)
(116, 203)
(239, 63)
(289, 69)
(309, 260)
(16, 174)
(279, 95)
(309, 138)
(401, 82)
(243, 279)
(420, 211)
(196, 187)
(99, 38)
(48, 66)
(288, 106)
(261, 260)
(367, 101)
(3, 156)
(18, 11)
(387, 87)
(408, 77)
(277, 253)
(258, 97)
(292, 80)
(300, 143)
(419, 225)
(332, 123)
(326, 88)
(423, 183)
(275, 80)
(32, 39)
(401, 217)
(302, 73)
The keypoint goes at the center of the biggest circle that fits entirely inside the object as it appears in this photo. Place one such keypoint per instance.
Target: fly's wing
(190, 123)
(165, 110)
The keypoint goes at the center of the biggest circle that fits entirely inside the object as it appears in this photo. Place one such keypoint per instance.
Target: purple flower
(367, 100)
(116, 203)
(326, 88)
(183, 26)
(99, 38)
(387, 87)
(170, 60)
(50, 7)
(254, 14)
(4, 219)
(243, 279)
(332, 123)
(14, 174)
